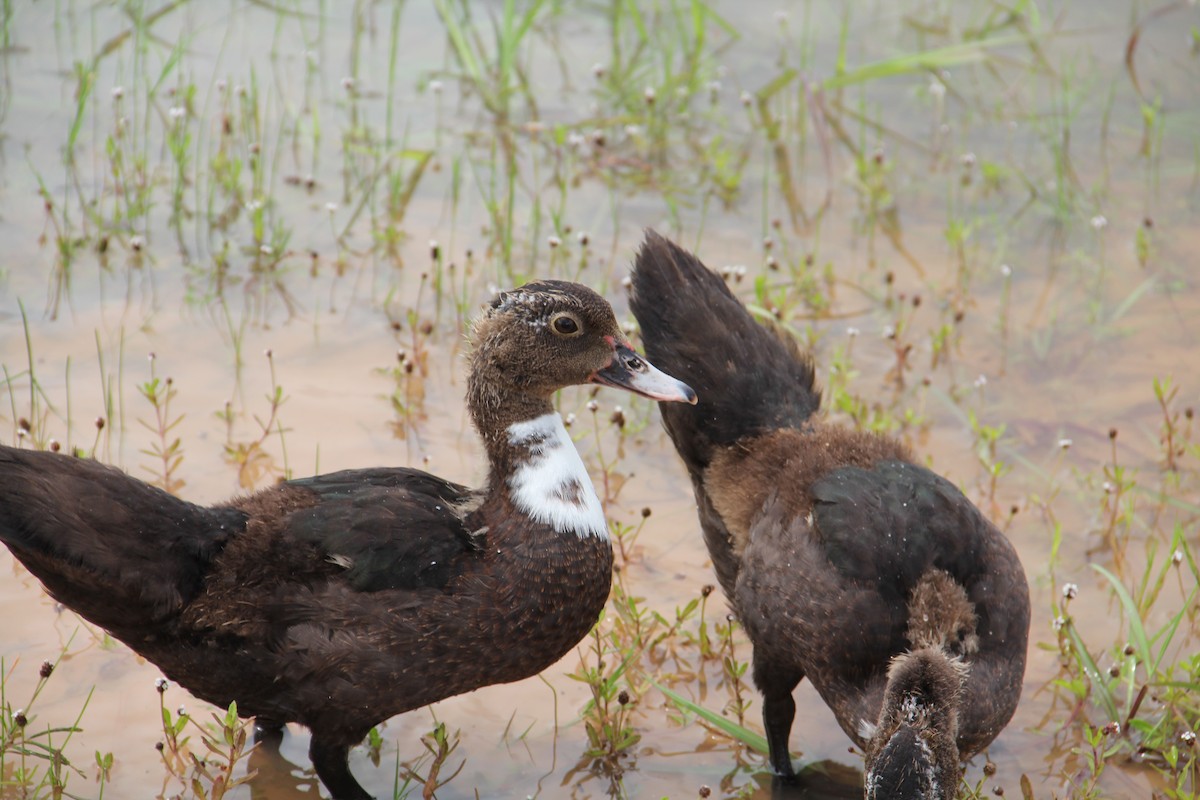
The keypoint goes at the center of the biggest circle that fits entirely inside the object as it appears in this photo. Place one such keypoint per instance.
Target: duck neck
(534, 463)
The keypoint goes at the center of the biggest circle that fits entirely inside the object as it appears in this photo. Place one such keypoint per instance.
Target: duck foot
(333, 768)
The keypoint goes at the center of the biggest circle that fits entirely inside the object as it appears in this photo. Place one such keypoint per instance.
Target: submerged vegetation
(244, 242)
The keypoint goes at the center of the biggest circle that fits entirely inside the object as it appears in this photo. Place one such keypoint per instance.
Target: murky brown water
(1068, 351)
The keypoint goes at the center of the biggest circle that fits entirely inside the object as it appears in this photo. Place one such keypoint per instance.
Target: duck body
(341, 600)
(839, 553)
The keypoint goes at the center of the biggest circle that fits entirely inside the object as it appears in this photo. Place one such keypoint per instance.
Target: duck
(845, 560)
(341, 600)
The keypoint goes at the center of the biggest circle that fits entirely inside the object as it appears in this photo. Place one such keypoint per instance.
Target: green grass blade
(1168, 634)
(458, 38)
(1093, 673)
(754, 741)
(1137, 633)
(936, 59)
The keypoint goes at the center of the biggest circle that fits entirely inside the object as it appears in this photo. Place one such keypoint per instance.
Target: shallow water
(1030, 154)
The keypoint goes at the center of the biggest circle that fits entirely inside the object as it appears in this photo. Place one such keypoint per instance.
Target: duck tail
(750, 379)
(912, 752)
(119, 552)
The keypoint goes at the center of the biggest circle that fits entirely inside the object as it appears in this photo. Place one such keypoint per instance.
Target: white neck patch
(553, 486)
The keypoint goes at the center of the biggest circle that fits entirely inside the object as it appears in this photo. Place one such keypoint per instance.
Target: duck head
(911, 754)
(532, 341)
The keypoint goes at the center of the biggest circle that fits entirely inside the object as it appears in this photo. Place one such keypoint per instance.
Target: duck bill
(633, 373)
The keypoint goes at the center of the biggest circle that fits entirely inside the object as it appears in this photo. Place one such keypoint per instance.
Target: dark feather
(749, 380)
(387, 528)
(132, 552)
(833, 544)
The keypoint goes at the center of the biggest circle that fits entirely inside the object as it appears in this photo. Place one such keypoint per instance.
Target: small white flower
(714, 87)
(889, 332)
(781, 17)
(553, 241)
(435, 86)
(852, 331)
(633, 130)
(968, 160)
(161, 684)
(1065, 443)
(570, 420)
(118, 92)
(649, 94)
(575, 140)
(1099, 222)
(1109, 488)
(240, 90)
(1006, 270)
(592, 405)
(253, 205)
(177, 112)
(137, 242)
(266, 249)
(583, 238)
(348, 84)
(598, 70)
(1070, 591)
(746, 98)
(1058, 623)
(626, 281)
(981, 381)
(331, 206)
(181, 711)
(1177, 557)
(937, 89)
(221, 84)
(1188, 738)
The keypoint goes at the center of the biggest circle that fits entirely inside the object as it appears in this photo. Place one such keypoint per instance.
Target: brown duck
(340, 600)
(846, 561)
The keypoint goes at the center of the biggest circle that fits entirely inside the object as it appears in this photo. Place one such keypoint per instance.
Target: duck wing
(881, 529)
(386, 528)
(885, 526)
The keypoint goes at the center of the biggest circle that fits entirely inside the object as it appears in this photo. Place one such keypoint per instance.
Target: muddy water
(1067, 351)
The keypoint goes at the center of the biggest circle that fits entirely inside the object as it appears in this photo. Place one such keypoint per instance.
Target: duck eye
(565, 325)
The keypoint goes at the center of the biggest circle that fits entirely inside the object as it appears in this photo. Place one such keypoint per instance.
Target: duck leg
(779, 710)
(331, 760)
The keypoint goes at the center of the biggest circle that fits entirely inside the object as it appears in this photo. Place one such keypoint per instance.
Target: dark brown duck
(846, 561)
(341, 600)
